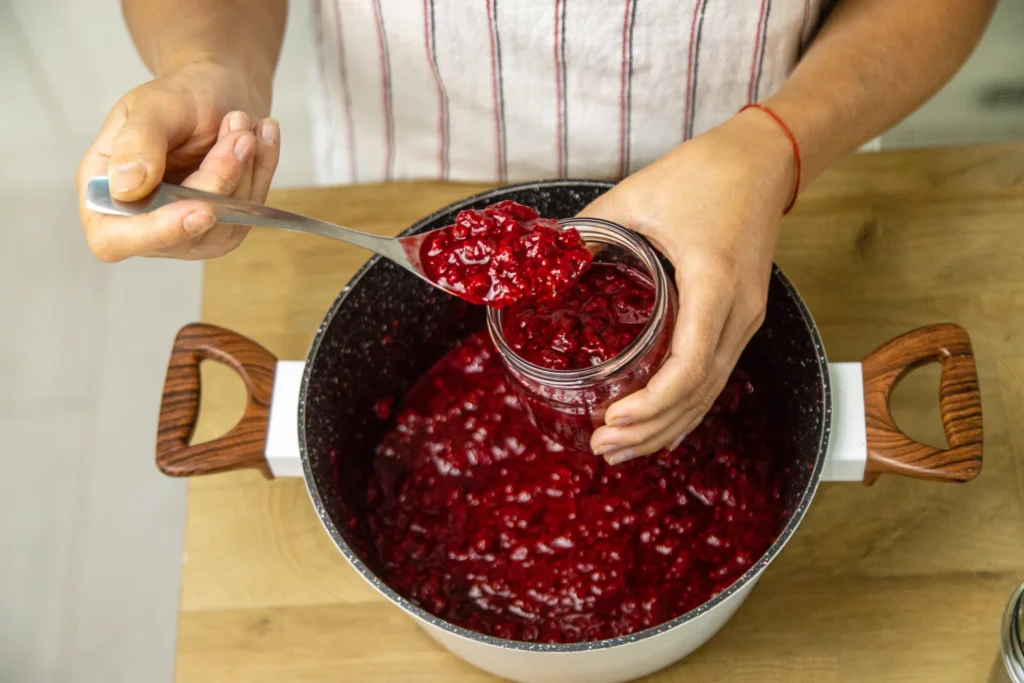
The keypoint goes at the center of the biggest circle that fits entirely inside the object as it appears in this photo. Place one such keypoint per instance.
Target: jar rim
(599, 231)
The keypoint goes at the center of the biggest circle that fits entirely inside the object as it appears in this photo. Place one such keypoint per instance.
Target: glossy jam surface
(596, 320)
(504, 253)
(590, 323)
(486, 523)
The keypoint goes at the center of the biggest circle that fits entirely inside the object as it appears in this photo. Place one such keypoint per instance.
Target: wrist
(252, 76)
(244, 89)
(767, 151)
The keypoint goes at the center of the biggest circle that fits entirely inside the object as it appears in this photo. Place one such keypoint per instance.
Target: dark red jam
(587, 325)
(504, 253)
(486, 523)
(596, 320)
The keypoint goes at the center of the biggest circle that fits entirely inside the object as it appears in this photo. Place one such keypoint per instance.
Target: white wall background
(90, 534)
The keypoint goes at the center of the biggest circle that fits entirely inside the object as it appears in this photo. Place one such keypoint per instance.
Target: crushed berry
(486, 523)
(504, 253)
(587, 325)
(382, 407)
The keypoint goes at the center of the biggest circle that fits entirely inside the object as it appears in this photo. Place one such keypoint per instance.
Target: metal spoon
(404, 251)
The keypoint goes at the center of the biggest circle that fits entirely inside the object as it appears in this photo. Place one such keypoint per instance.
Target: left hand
(713, 206)
(197, 126)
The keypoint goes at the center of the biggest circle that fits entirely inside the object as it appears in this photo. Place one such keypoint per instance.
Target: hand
(193, 127)
(713, 206)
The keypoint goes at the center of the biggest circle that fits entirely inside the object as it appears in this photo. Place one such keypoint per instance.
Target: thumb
(617, 206)
(607, 208)
(611, 207)
(138, 154)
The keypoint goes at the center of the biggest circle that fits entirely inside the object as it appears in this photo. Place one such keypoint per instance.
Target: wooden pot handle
(889, 449)
(241, 447)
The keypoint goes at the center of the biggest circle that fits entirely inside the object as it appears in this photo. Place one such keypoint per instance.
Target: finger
(244, 185)
(96, 159)
(224, 166)
(168, 230)
(214, 242)
(115, 238)
(741, 326)
(739, 330)
(611, 207)
(668, 437)
(607, 440)
(198, 147)
(245, 150)
(683, 378)
(156, 122)
(268, 153)
(103, 233)
(666, 428)
(220, 172)
(233, 120)
(692, 417)
(653, 435)
(606, 209)
(669, 432)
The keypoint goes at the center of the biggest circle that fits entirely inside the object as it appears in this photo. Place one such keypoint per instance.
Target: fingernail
(243, 148)
(238, 121)
(270, 131)
(620, 456)
(605, 449)
(621, 421)
(128, 177)
(198, 222)
(679, 440)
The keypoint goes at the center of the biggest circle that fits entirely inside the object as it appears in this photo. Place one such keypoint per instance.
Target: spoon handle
(239, 212)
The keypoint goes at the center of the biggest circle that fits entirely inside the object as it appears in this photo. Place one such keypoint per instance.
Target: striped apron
(512, 90)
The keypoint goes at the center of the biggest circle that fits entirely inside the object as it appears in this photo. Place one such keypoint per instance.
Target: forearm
(872, 64)
(244, 36)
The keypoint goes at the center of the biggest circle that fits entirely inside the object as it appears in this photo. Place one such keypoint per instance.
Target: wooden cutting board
(902, 581)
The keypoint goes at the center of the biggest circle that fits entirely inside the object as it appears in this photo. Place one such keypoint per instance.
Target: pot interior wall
(388, 327)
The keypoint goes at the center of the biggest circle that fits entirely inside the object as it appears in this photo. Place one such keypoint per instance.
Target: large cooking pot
(387, 327)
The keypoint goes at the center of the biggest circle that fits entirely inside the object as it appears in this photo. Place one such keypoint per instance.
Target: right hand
(193, 127)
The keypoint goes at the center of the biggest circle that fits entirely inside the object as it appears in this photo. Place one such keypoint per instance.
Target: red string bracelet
(792, 140)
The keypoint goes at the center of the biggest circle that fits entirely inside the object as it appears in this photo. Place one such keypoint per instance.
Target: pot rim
(422, 615)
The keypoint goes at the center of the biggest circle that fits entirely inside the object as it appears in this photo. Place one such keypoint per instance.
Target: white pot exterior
(602, 664)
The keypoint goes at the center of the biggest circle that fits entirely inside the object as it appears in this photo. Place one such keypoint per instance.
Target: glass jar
(568, 405)
(1009, 664)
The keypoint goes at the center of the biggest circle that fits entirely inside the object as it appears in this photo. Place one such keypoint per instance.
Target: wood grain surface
(889, 448)
(238, 448)
(902, 581)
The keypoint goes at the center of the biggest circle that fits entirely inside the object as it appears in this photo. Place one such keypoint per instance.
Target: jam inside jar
(582, 360)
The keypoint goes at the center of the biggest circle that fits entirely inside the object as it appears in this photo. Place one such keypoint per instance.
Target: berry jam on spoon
(504, 254)
(496, 256)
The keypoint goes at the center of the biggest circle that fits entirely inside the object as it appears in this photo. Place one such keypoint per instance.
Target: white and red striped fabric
(509, 90)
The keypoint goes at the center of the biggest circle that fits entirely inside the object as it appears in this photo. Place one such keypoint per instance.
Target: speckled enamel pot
(387, 328)
(349, 368)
